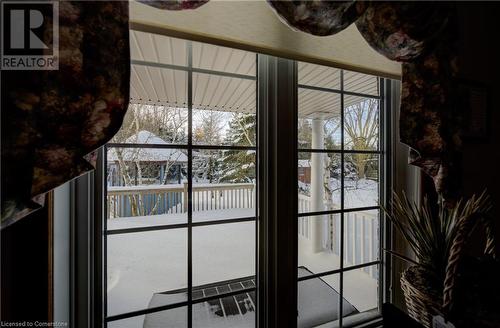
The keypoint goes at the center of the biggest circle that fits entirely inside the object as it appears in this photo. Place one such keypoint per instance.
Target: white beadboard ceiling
(155, 81)
(252, 25)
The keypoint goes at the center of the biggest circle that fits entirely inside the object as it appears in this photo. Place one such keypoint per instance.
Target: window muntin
(314, 105)
(319, 261)
(340, 158)
(327, 90)
(181, 189)
(137, 264)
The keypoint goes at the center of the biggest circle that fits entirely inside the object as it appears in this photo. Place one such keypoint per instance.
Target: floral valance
(421, 35)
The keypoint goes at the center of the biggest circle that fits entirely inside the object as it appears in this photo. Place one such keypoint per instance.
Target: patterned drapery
(174, 4)
(422, 36)
(53, 120)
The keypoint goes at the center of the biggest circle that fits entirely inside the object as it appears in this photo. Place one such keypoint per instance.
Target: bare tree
(166, 122)
(361, 127)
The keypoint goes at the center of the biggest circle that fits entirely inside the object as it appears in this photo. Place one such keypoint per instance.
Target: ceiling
(159, 77)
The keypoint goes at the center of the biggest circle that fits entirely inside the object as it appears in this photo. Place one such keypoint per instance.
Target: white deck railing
(168, 199)
(360, 233)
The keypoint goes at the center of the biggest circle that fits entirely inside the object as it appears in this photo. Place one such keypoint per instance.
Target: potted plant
(437, 239)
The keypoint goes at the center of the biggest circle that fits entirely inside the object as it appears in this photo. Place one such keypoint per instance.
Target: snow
(304, 163)
(360, 289)
(149, 187)
(169, 186)
(145, 137)
(141, 264)
(147, 154)
(359, 193)
(318, 301)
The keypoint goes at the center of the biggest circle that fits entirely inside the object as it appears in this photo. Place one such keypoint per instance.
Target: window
(183, 242)
(339, 156)
(181, 189)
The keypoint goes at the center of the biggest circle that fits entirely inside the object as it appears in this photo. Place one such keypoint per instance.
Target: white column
(317, 188)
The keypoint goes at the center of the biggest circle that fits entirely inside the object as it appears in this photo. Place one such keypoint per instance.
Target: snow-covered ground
(360, 289)
(357, 193)
(141, 264)
(178, 218)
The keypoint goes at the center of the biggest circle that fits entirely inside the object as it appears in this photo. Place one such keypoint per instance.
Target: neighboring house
(304, 170)
(158, 165)
(130, 169)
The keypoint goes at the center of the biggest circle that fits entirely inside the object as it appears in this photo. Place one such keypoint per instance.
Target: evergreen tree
(207, 131)
(206, 166)
(239, 165)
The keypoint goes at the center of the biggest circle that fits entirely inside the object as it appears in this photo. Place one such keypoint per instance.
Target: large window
(182, 232)
(181, 189)
(339, 161)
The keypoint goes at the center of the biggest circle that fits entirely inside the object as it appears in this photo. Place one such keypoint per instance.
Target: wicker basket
(422, 304)
(421, 301)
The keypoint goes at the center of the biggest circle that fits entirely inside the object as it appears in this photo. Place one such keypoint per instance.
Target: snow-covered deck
(141, 264)
(360, 289)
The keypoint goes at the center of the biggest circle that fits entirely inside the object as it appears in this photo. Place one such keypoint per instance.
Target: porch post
(317, 189)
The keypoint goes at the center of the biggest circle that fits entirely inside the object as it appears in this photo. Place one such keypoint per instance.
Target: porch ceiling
(159, 77)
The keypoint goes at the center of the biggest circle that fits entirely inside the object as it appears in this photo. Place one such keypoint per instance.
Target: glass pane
(319, 243)
(223, 110)
(328, 138)
(318, 182)
(146, 187)
(318, 300)
(173, 318)
(361, 180)
(319, 120)
(223, 184)
(212, 127)
(158, 104)
(144, 268)
(222, 59)
(153, 125)
(361, 83)
(361, 288)
(361, 123)
(225, 312)
(319, 76)
(361, 237)
(223, 252)
(157, 48)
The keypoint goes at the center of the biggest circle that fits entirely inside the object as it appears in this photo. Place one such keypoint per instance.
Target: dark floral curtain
(174, 4)
(53, 120)
(421, 35)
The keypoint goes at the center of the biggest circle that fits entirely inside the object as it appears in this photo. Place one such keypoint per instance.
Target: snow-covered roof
(147, 154)
(145, 137)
